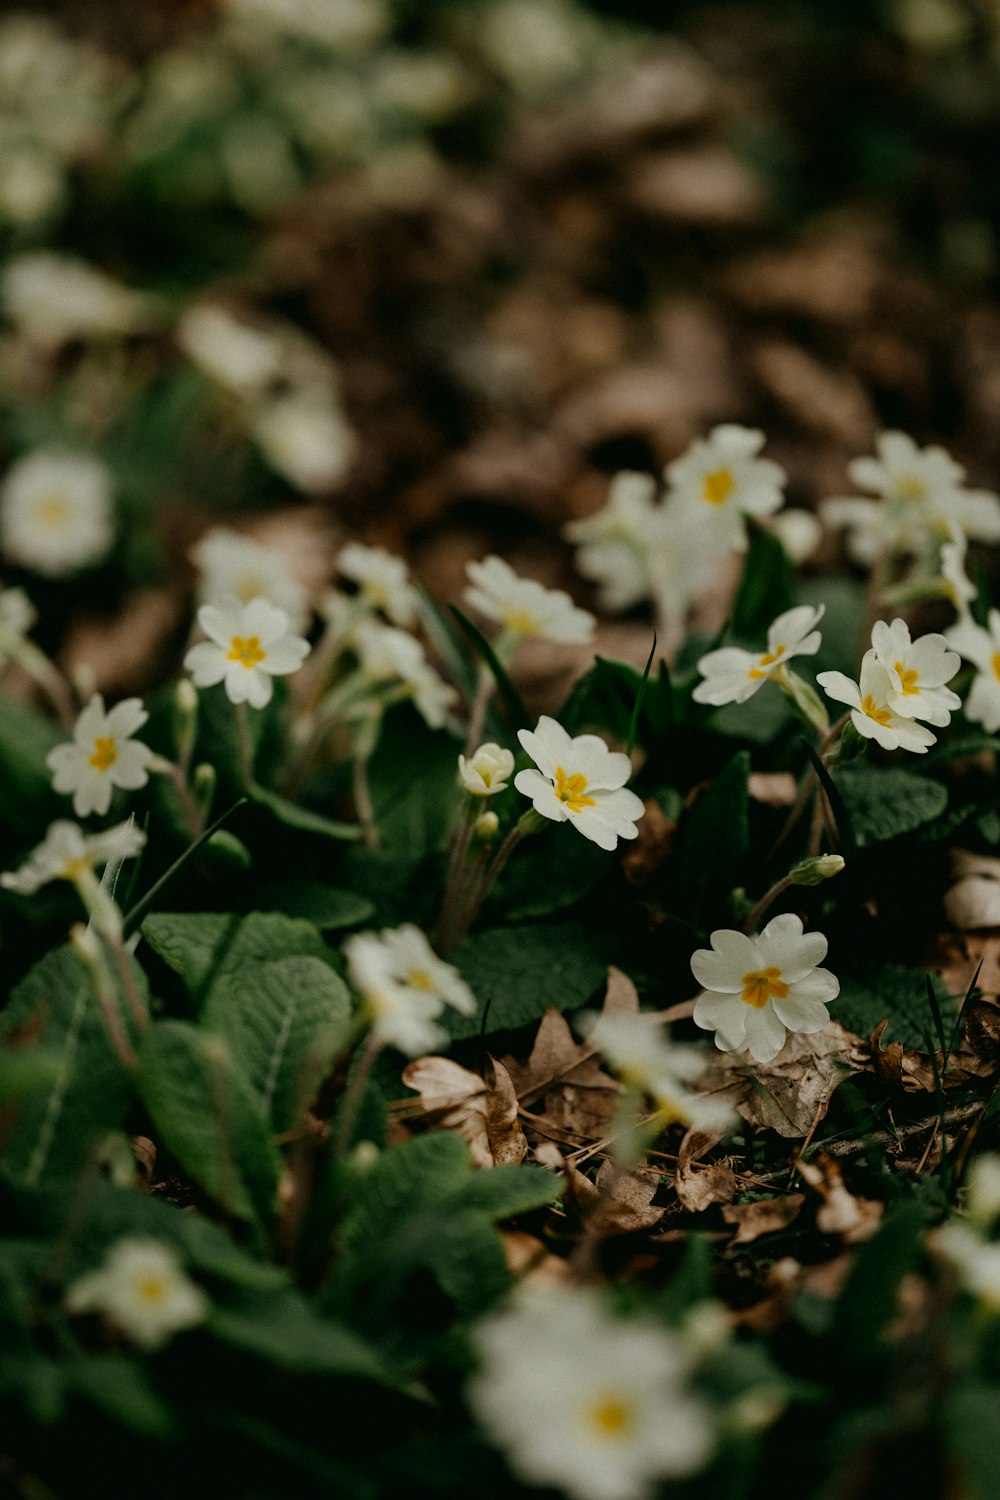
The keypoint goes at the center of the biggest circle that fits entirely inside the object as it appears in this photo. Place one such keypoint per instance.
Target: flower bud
(203, 787)
(814, 871)
(486, 826)
(185, 718)
(485, 773)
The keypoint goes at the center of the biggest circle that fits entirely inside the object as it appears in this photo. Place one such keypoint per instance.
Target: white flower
(67, 853)
(487, 772)
(382, 579)
(638, 1050)
(756, 987)
(385, 653)
(982, 1200)
(982, 648)
(236, 567)
(798, 531)
(720, 477)
(917, 671)
(524, 607)
(579, 781)
(55, 511)
(53, 298)
(247, 646)
(956, 582)
(101, 755)
(976, 1260)
(733, 676)
(241, 358)
(406, 987)
(305, 436)
(869, 702)
(345, 25)
(31, 184)
(594, 1406)
(143, 1290)
(17, 616)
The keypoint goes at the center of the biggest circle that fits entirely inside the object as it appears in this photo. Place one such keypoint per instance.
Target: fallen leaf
(507, 1142)
(773, 788)
(791, 1094)
(699, 1186)
(766, 1216)
(841, 1213)
(484, 1114)
(974, 900)
(629, 1199)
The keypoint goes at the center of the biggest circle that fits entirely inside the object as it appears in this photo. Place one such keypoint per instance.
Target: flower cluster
(902, 683)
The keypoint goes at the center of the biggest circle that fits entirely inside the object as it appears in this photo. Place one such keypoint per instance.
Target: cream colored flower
(732, 676)
(383, 580)
(55, 511)
(981, 647)
(240, 357)
(236, 567)
(917, 672)
(405, 987)
(54, 298)
(102, 755)
(640, 1053)
(248, 646)
(385, 653)
(143, 1290)
(305, 436)
(721, 479)
(67, 853)
(524, 607)
(487, 772)
(871, 712)
(579, 781)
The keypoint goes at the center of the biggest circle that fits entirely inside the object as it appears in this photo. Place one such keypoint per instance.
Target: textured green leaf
(208, 1118)
(207, 948)
(327, 907)
(303, 819)
(284, 1022)
(766, 588)
(518, 972)
(899, 994)
(883, 803)
(412, 778)
(283, 1329)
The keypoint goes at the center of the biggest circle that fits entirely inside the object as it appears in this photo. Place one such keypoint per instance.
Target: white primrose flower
(243, 359)
(17, 617)
(981, 647)
(756, 988)
(917, 672)
(54, 298)
(955, 581)
(55, 511)
(524, 607)
(306, 438)
(639, 1051)
(595, 1406)
(976, 1260)
(871, 713)
(385, 653)
(67, 853)
(405, 987)
(248, 645)
(732, 675)
(487, 772)
(101, 755)
(382, 579)
(982, 1190)
(236, 567)
(799, 532)
(579, 781)
(143, 1290)
(721, 479)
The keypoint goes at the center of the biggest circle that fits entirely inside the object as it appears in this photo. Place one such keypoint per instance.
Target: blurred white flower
(732, 675)
(524, 607)
(981, 647)
(405, 987)
(871, 713)
(101, 755)
(343, 25)
(53, 298)
(917, 672)
(17, 617)
(385, 653)
(982, 1190)
(641, 1054)
(248, 645)
(31, 184)
(756, 988)
(236, 567)
(798, 531)
(67, 853)
(976, 1260)
(579, 781)
(956, 582)
(143, 1290)
(382, 578)
(305, 436)
(487, 772)
(595, 1406)
(240, 357)
(55, 511)
(721, 479)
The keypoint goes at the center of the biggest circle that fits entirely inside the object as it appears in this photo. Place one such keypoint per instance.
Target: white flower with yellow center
(382, 580)
(306, 438)
(732, 675)
(639, 1052)
(594, 1406)
(53, 298)
(917, 672)
(248, 646)
(487, 772)
(405, 987)
(385, 653)
(525, 608)
(55, 511)
(721, 479)
(142, 1289)
(758, 988)
(976, 1260)
(579, 781)
(236, 567)
(67, 853)
(955, 581)
(17, 617)
(870, 703)
(981, 647)
(241, 358)
(101, 755)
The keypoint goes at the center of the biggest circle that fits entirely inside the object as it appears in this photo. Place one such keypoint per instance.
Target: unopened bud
(814, 871)
(185, 718)
(532, 822)
(804, 699)
(486, 826)
(203, 787)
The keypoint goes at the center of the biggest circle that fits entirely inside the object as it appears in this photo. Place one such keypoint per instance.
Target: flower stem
(245, 744)
(351, 1101)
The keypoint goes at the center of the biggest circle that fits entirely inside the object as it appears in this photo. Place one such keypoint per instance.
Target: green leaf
(513, 705)
(123, 1389)
(516, 973)
(86, 1090)
(303, 819)
(27, 800)
(502, 1192)
(208, 1118)
(413, 779)
(134, 917)
(284, 1022)
(607, 696)
(844, 599)
(207, 948)
(899, 994)
(327, 907)
(970, 1420)
(284, 1330)
(713, 840)
(883, 803)
(766, 588)
(541, 880)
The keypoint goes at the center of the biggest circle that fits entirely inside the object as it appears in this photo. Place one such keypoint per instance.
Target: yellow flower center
(53, 512)
(571, 790)
(419, 979)
(105, 753)
(247, 652)
(521, 621)
(611, 1417)
(909, 678)
(150, 1289)
(910, 488)
(767, 660)
(74, 868)
(763, 985)
(718, 486)
(249, 587)
(995, 664)
(872, 711)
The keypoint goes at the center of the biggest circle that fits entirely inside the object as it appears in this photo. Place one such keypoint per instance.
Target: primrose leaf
(517, 973)
(207, 948)
(884, 802)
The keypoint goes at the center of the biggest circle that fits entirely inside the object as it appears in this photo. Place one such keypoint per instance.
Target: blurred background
(428, 272)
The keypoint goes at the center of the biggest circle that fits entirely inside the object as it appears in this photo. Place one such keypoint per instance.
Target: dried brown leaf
(791, 1094)
(484, 1114)
(841, 1213)
(766, 1216)
(697, 1186)
(629, 1199)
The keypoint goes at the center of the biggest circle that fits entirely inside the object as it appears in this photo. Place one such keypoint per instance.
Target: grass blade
(848, 841)
(513, 704)
(142, 907)
(640, 695)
